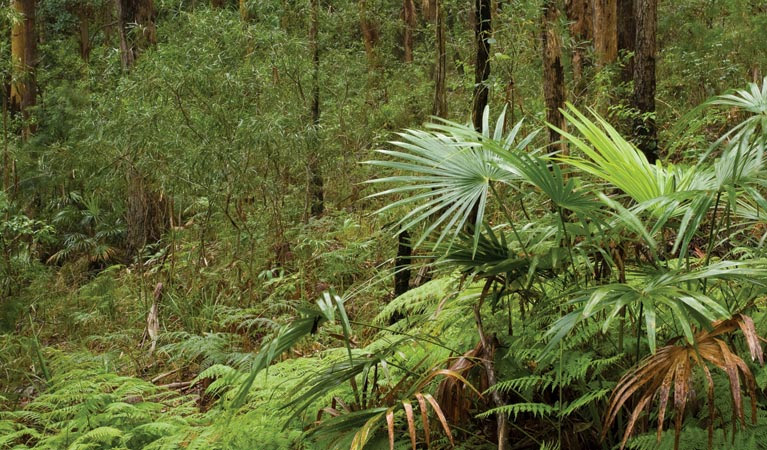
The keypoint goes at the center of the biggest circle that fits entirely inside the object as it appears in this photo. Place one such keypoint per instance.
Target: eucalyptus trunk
(645, 133)
(141, 14)
(483, 30)
(553, 73)
(580, 18)
(439, 108)
(316, 182)
(23, 90)
(605, 31)
(409, 17)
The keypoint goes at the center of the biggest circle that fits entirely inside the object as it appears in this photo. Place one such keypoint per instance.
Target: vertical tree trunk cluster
(553, 73)
(136, 27)
(627, 27)
(316, 182)
(23, 92)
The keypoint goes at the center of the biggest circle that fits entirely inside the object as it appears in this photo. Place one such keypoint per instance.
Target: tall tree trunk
(84, 17)
(605, 31)
(483, 30)
(580, 17)
(626, 36)
(316, 182)
(429, 9)
(409, 17)
(6, 151)
(369, 34)
(439, 108)
(482, 33)
(553, 74)
(23, 92)
(136, 26)
(645, 133)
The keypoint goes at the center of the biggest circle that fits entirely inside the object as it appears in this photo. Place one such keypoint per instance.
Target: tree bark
(439, 108)
(136, 27)
(482, 33)
(23, 92)
(553, 73)
(429, 9)
(409, 17)
(580, 16)
(316, 182)
(626, 37)
(369, 35)
(84, 17)
(488, 361)
(402, 264)
(645, 133)
(605, 31)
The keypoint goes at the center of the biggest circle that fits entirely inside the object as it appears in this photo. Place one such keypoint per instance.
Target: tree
(439, 107)
(605, 31)
(482, 33)
(429, 9)
(316, 182)
(84, 14)
(580, 16)
(409, 17)
(626, 37)
(23, 92)
(369, 34)
(645, 133)
(553, 74)
(136, 27)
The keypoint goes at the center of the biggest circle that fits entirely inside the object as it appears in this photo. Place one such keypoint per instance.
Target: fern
(536, 409)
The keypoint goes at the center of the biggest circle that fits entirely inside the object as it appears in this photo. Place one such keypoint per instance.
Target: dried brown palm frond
(452, 393)
(673, 366)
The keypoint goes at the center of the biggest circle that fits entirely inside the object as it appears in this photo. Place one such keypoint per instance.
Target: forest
(383, 224)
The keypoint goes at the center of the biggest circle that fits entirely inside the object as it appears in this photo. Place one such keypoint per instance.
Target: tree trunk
(580, 16)
(439, 108)
(605, 31)
(645, 133)
(23, 92)
(136, 26)
(626, 37)
(316, 183)
(84, 16)
(553, 74)
(408, 16)
(218, 3)
(369, 35)
(429, 9)
(482, 33)
(402, 264)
